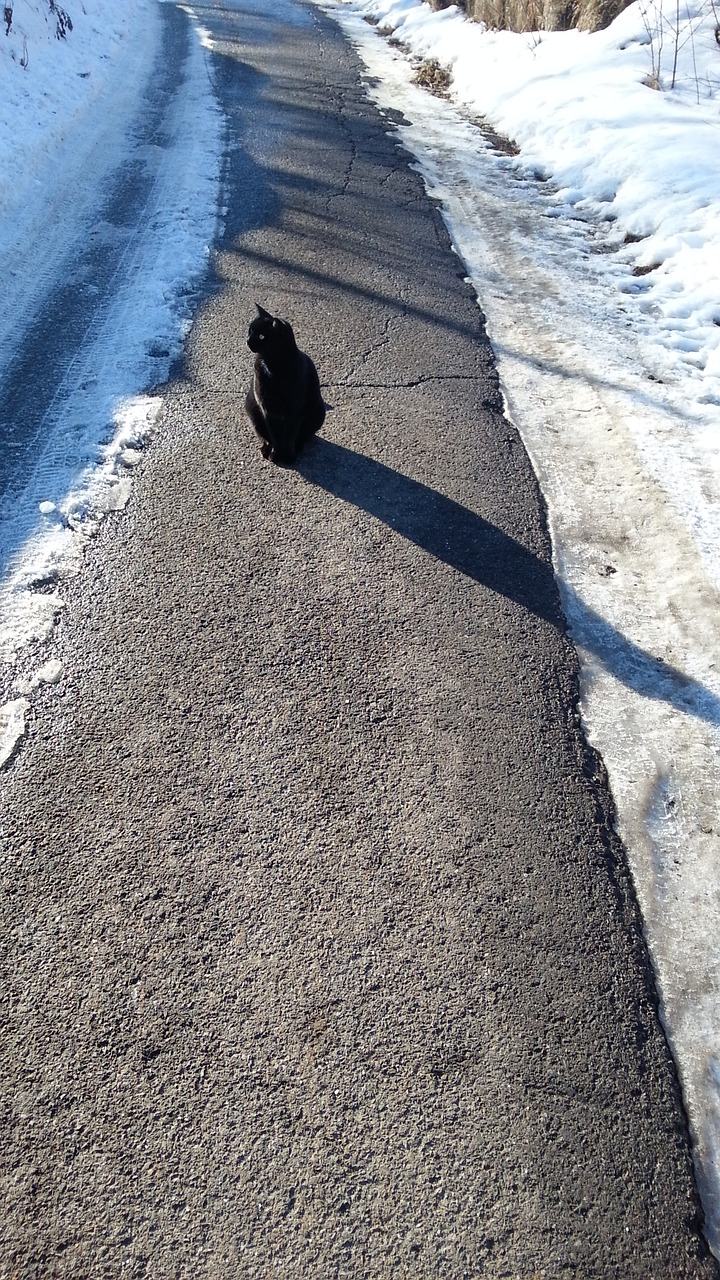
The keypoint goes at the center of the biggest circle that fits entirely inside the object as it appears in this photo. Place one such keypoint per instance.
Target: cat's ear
(262, 312)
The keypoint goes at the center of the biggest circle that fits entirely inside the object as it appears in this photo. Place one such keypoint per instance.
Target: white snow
(612, 375)
(67, 113)
(63, 116)
(54, 551)
(12, 727)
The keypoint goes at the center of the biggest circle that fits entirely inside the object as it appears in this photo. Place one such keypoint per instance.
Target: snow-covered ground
(595, 252)
(109, 170)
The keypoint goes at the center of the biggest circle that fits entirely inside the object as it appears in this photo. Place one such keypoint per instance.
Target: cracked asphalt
(320, 955)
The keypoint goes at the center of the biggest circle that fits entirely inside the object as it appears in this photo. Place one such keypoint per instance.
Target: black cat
(284, 402)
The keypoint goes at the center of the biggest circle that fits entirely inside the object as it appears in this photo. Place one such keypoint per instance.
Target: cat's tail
(314, 420)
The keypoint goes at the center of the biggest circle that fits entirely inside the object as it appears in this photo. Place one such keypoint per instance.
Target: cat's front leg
(257, 418)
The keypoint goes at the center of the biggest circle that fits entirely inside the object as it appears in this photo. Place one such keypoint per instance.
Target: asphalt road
(320, 957)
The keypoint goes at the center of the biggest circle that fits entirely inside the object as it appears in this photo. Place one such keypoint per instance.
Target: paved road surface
(320, 957)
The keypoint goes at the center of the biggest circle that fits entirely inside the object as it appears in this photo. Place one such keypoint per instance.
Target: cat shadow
(476, 548)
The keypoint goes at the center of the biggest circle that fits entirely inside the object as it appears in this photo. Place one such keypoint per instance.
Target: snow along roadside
(104, 392)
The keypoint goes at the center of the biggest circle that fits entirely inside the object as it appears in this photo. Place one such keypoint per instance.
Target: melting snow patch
(12, 727)
(50, 673)
(30, 596)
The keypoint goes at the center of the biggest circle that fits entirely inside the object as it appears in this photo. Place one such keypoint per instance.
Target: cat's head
(268, 333)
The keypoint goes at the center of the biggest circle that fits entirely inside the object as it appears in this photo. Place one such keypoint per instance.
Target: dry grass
(545, 15)
(432, 75)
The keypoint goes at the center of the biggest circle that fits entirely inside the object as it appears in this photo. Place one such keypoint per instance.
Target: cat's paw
(282, 458)
(265, 450)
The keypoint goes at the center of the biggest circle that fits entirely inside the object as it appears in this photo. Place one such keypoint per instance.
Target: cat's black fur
(284, 403)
